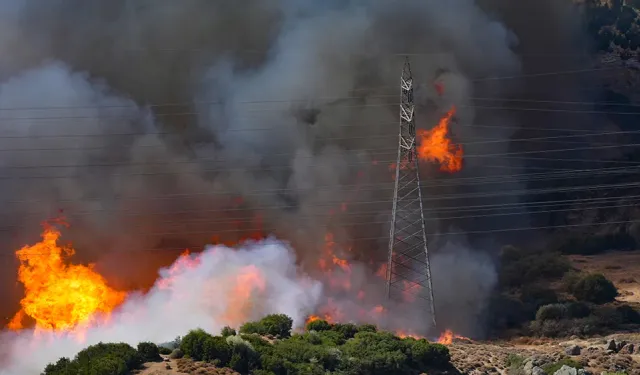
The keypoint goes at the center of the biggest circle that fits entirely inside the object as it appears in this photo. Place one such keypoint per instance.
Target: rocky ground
(609, 355)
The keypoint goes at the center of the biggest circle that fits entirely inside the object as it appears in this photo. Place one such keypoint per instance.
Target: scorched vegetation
(268, 347)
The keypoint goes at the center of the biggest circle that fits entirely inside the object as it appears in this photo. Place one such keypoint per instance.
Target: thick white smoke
(220, 286)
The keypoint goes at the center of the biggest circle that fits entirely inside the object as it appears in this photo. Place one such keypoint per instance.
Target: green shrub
(515, 361)
(149, 352)
(507, 312)
(176, 354)
(252, 327)
(426, 355)
(553, 367)
(164, 350)
(375, 353)
(536, 296)
(366, 351)
(555, 311)
(278, 325)
(332, 338)
(578, 310)
(594, 288)
(347, 330)
(531, 267)
(549, 328)
(628, 314)
(64, 366)
(318, 325)
(259, 344)
(367, 328)
(228, 331)
(607, 316)
(243, 355)
(192, 344)
(217, 348)
(100, 359)
(511, 254)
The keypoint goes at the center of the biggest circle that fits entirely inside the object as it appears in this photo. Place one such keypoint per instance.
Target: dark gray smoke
(278, 114)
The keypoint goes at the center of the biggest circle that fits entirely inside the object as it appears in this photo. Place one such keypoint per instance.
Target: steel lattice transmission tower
(408, 269)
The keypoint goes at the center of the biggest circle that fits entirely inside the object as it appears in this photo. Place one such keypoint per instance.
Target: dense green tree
(318, 325)
(554, 311)
(367, 328)
(192, 344)
(347, 330)
(149, 352)
(426, 355)
(100, 359)
(216, 348)
(375, 353)
(252, 327)
(243, 356)
(593, 288)
(277, 325)
(64, 366)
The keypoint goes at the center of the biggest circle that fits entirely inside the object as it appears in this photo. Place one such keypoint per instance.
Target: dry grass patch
(188, 366)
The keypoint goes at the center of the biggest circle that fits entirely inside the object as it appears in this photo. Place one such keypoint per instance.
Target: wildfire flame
(405, 334)
(434, 145)
(60, 296)
(248, 283)
(447, 337)
(312, 318)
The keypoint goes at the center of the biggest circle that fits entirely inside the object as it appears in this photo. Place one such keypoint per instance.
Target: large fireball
(60, 296)
(435, 146)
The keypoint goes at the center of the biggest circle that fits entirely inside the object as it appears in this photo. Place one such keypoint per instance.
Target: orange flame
(248, 283)
(447, 337)
(312, 318)
(405, 334)
(434, 145)
(185, 261)
(60, 296)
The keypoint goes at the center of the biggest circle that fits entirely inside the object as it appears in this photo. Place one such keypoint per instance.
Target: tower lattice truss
(408, 268)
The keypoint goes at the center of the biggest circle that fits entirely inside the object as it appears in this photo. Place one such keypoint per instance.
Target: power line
(378, 186)
(361, 203)
(487, 140)
(308, 100)
(356, 240)
(198, 162)
(369, 105)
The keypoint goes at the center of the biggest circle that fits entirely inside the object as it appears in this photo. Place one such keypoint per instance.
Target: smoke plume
(219, 287)
(155, 125)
